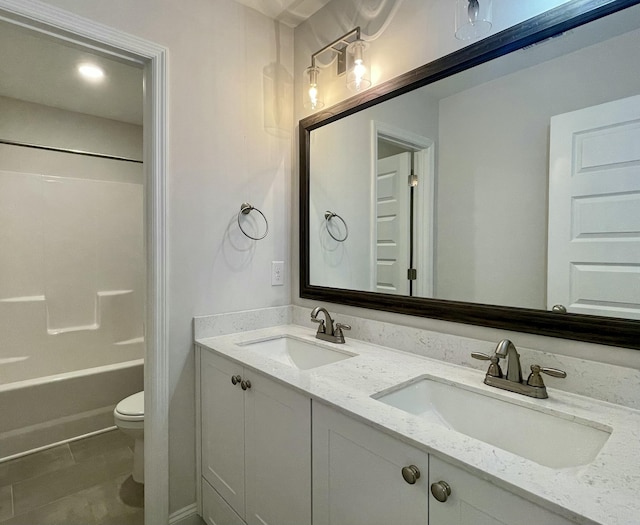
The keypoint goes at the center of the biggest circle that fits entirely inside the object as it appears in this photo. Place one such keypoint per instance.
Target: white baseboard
(186, 516)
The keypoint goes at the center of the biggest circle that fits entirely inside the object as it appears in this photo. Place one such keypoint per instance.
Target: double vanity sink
(567, 452)
(551, 439)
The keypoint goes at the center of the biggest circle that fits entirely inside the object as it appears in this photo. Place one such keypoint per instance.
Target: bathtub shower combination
(71, 306)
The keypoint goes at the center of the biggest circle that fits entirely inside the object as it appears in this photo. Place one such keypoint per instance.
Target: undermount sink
(297, 353)
(552, 440)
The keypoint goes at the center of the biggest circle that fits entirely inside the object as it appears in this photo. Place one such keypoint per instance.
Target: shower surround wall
(71, 290)
(70, 295)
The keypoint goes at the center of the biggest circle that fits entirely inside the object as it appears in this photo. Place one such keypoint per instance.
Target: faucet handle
(494, 368)
(535, 379)
(555, 372)
(339, 336)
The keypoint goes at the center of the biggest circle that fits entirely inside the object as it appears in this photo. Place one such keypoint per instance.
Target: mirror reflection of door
(594, 210)
(403, 254)
(394, 223)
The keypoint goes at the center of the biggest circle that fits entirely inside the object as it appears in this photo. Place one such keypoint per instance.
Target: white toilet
(129, 417)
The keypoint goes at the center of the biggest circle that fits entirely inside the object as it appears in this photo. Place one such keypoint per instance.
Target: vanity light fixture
(350, 51)
(473, 19)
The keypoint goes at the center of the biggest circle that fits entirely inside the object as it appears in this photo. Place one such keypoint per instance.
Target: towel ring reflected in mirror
(328, 215)
(245, 209)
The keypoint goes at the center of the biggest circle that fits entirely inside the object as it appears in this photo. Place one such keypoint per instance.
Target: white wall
(38, 124)
(230, 121)
(420, 32)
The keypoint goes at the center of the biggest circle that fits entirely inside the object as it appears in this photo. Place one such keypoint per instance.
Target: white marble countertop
(606, 491)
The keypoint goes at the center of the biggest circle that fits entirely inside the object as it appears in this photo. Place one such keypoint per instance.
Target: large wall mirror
(497, 186)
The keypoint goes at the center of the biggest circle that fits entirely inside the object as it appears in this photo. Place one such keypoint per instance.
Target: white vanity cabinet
(255, 446)
(357, 474)
(358, 479)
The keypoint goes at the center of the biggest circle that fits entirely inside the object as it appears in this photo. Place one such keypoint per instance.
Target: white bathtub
(39, 413)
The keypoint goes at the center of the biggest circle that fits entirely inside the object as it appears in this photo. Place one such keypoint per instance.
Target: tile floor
(86, 482)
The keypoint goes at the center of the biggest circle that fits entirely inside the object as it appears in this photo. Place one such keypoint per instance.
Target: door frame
(43, 18)
(423, 149)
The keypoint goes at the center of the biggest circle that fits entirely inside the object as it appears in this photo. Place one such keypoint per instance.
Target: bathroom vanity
(256, 444)
(294, 430)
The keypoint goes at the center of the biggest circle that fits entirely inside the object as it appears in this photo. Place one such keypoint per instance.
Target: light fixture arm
(339, 51)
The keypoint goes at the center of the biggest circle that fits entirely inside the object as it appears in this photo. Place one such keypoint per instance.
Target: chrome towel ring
(246, 209)
(328, 215)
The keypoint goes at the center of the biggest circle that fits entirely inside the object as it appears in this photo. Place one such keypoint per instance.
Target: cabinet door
(222, 429)
(474, 501)
(277, 454)
(357, 474)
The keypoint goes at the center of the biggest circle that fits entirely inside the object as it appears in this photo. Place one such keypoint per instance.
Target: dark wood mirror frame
(594, 329)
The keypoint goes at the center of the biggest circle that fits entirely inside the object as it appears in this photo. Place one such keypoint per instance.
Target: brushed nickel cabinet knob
(411, 474)
(245, 385)
(235, 379)
(441, 491)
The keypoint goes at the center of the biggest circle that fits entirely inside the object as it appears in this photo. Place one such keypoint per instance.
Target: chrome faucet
(327, 331)
(512, 381)
(507, 349)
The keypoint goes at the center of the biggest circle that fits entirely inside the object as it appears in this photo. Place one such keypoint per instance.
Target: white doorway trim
(61, 24)
(423, 148)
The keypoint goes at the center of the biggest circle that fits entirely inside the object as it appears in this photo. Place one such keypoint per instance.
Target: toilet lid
(132, 405)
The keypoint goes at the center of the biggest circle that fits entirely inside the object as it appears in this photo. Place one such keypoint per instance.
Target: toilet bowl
(129, 417)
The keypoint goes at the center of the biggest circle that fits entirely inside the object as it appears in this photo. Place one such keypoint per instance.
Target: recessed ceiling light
(91, 71)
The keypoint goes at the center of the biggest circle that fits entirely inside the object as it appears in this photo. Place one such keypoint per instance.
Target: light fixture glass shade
(311, 96)
(358, 74)
(473, 19)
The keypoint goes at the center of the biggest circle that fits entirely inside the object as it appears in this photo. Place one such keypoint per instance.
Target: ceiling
(289, 12)
(37, 68)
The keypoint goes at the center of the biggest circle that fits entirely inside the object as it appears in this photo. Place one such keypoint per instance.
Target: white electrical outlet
(277, 273)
